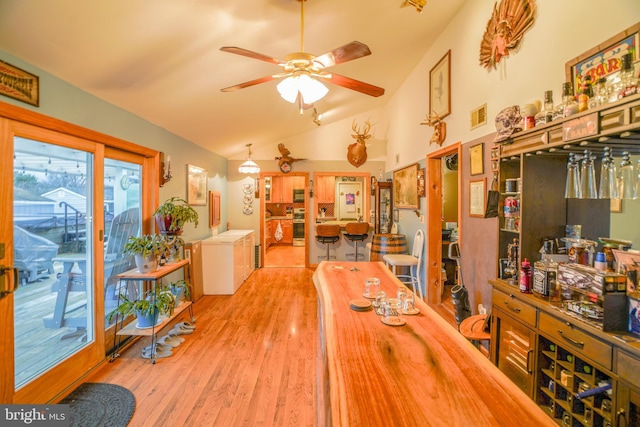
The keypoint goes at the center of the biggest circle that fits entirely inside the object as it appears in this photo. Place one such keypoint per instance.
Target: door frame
(434, 222)
(17, 121)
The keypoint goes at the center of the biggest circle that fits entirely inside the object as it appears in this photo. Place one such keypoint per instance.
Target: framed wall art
(476, 158)
(405, 191)
(477, 197)
(196, 185)
(19, 84)
(440, 87)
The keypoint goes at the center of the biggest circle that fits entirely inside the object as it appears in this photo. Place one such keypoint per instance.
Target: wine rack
(562, 374)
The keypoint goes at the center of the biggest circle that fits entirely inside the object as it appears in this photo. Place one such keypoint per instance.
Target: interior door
(50, 337)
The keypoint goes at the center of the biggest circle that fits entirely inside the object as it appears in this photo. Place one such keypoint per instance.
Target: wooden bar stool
(473, 328)
(356, 232)
(327, 235)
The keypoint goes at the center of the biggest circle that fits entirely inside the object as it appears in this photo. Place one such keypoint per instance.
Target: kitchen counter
(281, 217)
(340, 223)
(422, 373)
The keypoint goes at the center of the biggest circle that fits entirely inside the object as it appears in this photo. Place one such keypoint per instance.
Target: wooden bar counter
(423, 373)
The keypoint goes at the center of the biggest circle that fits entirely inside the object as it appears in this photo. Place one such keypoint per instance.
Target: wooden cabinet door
(298, 182)
(287, 231)
(276, 189)
(286, 189)
(325, 191)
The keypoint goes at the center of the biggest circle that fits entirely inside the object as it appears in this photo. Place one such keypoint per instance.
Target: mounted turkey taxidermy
(285, 161)
(357, 152)
(506, 27)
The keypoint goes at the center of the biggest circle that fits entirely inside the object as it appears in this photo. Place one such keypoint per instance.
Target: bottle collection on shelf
(590, 95)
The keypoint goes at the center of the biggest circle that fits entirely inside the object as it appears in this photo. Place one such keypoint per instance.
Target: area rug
(100, 405)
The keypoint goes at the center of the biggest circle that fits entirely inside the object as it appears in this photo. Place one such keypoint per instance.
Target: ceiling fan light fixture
(310, 89)
(249, 166)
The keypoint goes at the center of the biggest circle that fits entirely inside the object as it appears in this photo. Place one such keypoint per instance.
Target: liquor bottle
(586, 93)
(545, 115)
(526, 276)
(569, 106)
(628, 80)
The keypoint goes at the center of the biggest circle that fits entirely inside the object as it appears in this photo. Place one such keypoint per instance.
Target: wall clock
(125, 182)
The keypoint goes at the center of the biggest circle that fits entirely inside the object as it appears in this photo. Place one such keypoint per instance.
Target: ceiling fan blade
(356, 85)
(249, 83)
(348, 52)
(251, 54)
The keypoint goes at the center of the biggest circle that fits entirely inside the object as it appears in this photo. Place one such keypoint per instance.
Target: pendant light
(249, 166)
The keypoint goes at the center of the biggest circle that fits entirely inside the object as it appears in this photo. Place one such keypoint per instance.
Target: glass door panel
(122, 217)
(53, 241)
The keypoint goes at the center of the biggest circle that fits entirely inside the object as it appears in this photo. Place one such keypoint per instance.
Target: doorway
(442, 175)
(284, 219)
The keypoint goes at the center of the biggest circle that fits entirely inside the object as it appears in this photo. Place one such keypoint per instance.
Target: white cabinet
(227, 261)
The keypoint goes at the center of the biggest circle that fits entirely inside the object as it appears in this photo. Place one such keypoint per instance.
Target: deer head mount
(439, 128)
(357, 152)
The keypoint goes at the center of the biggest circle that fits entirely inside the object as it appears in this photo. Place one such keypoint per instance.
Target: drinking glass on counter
(393, 311)
(371, 287)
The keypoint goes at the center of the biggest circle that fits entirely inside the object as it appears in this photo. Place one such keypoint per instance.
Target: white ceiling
(160, 59)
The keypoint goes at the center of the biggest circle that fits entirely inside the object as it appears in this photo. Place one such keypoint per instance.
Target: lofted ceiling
(161, 59)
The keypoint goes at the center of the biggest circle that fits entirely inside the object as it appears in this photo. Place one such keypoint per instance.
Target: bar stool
(356, 232)
(328, 235)
(474, 328)
(413, 262)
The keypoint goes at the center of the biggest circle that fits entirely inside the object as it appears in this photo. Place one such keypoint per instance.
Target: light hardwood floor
(284, 256)
(250, 362)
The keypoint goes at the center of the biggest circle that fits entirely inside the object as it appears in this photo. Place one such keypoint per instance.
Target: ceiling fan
(303, 71)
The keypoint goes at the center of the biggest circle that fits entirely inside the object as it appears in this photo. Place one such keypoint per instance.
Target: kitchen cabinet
(383, 205)
(325, 189)
(281, 189)
(227, 261)
(268, 234)
(287, 231)
(513, 339)
(297, 182)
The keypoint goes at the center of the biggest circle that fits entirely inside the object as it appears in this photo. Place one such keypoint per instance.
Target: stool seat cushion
(327, 239)
(400, 259)
(354, 237)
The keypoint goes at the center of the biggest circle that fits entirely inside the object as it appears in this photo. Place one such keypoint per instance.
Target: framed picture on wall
(476, 159)
(405, 191)
(196, 185)
(477, 197)
(440, 87)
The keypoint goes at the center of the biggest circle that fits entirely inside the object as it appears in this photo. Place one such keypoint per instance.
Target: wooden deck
(37, 347)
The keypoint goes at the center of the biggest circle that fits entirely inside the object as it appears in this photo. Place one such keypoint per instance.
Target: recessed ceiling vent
(479, 116)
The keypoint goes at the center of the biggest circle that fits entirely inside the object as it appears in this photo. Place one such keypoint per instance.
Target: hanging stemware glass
(572, 187)
(608, 177)
(588, 177)
(627, 181)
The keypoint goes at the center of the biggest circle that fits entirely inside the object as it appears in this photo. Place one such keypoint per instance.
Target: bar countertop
(423, 373)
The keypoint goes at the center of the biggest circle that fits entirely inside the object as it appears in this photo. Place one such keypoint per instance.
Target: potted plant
(145, 249)
(172, 247)
(148, 308)
(173, 214)
(180, 290)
